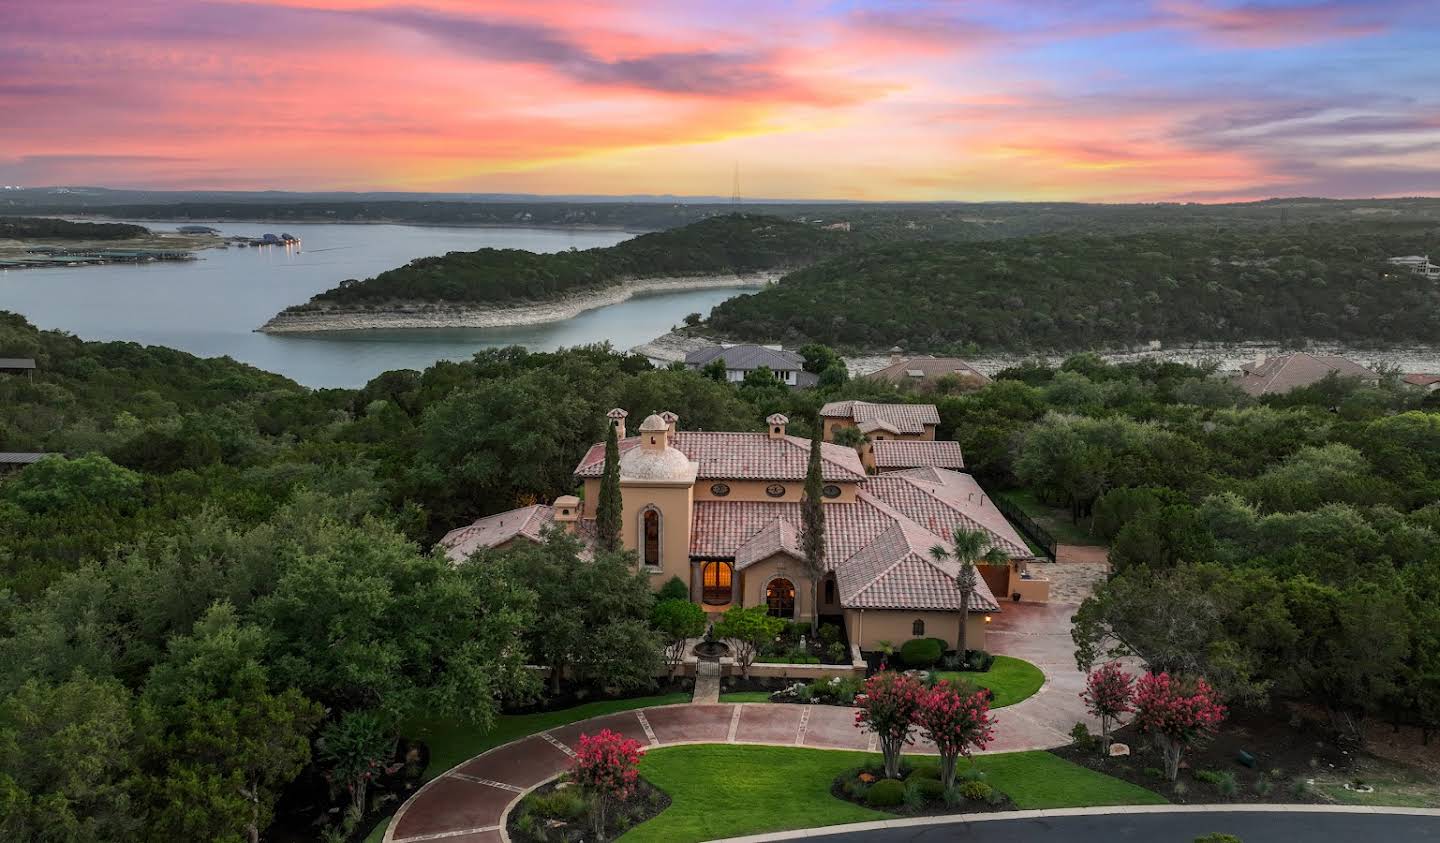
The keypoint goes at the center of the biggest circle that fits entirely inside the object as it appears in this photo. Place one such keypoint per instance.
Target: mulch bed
(930, 808)
(1284, 750)
(645, 803)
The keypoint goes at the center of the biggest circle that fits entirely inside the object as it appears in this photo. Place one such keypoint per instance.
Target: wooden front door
(716, 582)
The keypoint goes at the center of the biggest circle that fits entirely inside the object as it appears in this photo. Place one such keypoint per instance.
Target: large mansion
(721, 511)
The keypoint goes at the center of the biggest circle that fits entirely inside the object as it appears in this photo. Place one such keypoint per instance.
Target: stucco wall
(675, 505)
(756, 577)
(870, 627)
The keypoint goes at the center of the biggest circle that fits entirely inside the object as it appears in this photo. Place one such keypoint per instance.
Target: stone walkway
(707, 682)
(468, 804)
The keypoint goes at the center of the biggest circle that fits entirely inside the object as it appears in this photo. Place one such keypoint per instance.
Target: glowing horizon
(988, 100)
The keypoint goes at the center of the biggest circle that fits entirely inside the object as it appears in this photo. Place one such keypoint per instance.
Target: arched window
(829, 591)
(715, 576)
(917, 628)
(650, 537)
(780, 598)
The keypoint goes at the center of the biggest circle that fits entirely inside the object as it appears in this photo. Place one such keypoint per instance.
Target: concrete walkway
(468, 804)
(707, 682)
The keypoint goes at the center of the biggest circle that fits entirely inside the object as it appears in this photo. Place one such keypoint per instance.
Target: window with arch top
(917, 628)
(650, 537)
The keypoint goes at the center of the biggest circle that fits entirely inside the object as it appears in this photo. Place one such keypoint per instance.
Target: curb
(1001, 816)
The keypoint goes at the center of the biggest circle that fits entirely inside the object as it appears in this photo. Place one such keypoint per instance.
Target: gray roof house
(788, 366)
(17, 364)
(1276, 375)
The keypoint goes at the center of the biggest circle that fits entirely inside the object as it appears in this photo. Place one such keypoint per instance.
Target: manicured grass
(1011, 679)
(724, 790)
(1056, 520)
(720, 790)
(451, 742)
(745, 697)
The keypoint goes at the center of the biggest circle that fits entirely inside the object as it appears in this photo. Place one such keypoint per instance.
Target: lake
(211, 307)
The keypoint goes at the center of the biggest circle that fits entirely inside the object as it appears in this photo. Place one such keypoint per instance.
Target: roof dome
(653, 423)
(656, 464)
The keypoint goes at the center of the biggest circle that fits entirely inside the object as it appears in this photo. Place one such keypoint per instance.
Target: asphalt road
(1250, 827)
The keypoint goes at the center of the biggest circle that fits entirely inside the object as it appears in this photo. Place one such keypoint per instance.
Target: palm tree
(968, 547)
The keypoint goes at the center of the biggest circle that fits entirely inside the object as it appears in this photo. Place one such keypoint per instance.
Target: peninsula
(502, 287)
(36, 242)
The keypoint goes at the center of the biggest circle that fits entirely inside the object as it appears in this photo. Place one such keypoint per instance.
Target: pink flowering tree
(1109, 693)
(888, 705)
(1176, 713)
(607, 766)
(958, 724)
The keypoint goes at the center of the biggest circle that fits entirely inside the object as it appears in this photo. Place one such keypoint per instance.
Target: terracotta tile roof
(940, 500)
(897, 571)
(926, 368)
(779, 536)
(495, 530)
(1281, 374)
(914, 453)
(744, 456)
(905, 418)
(721, 528)
(1422, 379)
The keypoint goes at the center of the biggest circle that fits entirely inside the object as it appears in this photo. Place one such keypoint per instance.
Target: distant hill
(1318, 282)
(33, 228)
(739, 243)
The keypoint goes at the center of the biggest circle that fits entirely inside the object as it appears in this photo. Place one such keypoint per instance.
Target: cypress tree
(608, 507)
(812, 527)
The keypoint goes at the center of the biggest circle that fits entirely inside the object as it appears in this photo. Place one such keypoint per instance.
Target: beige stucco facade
(869, 627)
(675, 503)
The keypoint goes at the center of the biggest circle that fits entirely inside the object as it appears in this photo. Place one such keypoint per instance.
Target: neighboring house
(1427, 382)
(17, 365)
(740, 360)
(722, 512)
(926, 370)
(14, 461)
(1418, 264)
(1277, 375)
(881, 421)
(899, 454)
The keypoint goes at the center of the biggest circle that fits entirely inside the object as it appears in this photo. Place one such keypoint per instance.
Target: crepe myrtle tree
(1176, 713)
(1109, 693)
(957, 723)
(888, 705)
(607, 767)
(968, 547)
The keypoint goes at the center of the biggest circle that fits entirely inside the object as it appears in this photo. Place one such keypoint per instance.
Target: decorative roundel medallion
(831, 491)
(720, 490)
(775, 490)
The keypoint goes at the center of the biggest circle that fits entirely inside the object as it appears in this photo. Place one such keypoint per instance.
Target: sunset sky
(1105, 100)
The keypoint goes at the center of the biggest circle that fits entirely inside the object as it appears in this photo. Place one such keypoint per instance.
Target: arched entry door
(715, 579)
(780, 598)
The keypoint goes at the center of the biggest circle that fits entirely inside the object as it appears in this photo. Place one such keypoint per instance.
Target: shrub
(886, 793)
(1080, 735)
(914, 799)
(932, 773)
(1207, 776)
(979, 661)
(1227, 786)
(1155, 773)
(920, 652)
(930, 789)
(567, 804)
(953, 797)
(675, 589)
(976, 791)
(1300, 789)
(835, 652)
(829, 634)
(1263, 787)
(1217, 838)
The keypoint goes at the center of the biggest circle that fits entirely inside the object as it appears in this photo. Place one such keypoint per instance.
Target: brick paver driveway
(468, 804)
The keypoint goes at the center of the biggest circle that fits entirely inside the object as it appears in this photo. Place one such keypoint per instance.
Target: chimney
(896, 355)
(567, 510)
(654, 433)
(617, 418)
(777, 424)
(671, 420)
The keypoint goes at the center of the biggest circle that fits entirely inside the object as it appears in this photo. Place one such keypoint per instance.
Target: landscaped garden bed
(561, 812)
(919, 791)
(1008, 681)
(1257, 758)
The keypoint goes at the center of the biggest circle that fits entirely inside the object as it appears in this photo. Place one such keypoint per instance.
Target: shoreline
(636, 230)
(422, 315)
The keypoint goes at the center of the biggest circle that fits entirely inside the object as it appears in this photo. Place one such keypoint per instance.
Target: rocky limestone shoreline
(437, 315)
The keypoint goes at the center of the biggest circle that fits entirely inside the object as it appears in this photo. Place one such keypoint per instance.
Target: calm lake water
(211, 307)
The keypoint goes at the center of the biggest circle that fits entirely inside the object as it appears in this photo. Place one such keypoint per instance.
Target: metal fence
(1033, 531)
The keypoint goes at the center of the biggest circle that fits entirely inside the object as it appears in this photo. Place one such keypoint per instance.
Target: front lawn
(721, 790)
(745, 697)
(1010, 679)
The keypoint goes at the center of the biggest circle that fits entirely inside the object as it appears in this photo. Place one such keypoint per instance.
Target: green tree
(819, 357)
(715, 370)
(968, 547)
(677, 621)
(608, 507)
(67, 761)
(812, 525)
(56, 483)
(354, 749)
(747, 629)
(223, 743)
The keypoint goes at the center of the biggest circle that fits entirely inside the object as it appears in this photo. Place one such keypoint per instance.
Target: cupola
(777, 422)
(671, 421)
(654, 433)
(567, 510)
(617, 418)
